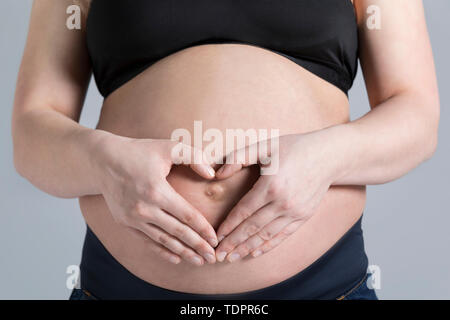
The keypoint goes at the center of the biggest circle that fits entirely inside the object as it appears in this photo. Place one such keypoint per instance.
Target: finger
(201, 166)
(184, 154)
(257, 153)
(157, 248)
(182, 232)
(203, 170)
(246, 207)
(266, 233)
(245, 230)
(177, 206)
(169, 242)
(278, 239)
(238, 159)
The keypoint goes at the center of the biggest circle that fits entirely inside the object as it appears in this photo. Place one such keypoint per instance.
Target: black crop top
(126, 37)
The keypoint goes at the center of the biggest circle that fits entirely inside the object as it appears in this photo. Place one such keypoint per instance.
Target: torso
(225, 86)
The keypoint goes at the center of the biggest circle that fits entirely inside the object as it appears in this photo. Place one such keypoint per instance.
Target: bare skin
(161, 221)
(230, 81)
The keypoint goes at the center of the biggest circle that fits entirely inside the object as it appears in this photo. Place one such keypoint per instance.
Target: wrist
(100, 148)
(339, 147)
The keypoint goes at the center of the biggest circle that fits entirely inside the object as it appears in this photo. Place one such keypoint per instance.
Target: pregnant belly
(223, 87)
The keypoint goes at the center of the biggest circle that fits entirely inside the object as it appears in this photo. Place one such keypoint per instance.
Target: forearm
(55, 153)
(386, 143)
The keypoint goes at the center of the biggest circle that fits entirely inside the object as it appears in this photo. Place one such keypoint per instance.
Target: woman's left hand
(279, 202)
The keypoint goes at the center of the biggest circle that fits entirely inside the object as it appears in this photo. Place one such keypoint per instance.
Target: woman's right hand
(131, 174)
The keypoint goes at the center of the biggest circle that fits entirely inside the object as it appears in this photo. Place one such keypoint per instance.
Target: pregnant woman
(158, 229)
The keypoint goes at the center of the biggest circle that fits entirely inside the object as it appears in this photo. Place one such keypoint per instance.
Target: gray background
(406, 221)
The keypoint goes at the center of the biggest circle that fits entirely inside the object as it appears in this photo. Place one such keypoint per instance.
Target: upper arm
(397, 58)
(55, 68)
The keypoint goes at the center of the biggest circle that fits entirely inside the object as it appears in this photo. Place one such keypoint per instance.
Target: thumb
(237, 160)
(204, 170)
(183, 154)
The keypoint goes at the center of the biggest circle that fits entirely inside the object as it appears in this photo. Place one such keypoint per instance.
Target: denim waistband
(334, 273)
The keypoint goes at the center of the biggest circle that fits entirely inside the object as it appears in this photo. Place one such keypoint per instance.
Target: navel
(215, 191)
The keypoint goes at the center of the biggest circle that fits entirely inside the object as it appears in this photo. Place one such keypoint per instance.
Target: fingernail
(213, 242)
(234, 256)
(174, 260)
(220, 238)
(210, 258)
(197, 261)
(257, 253)
(221, 255)
(211, 172)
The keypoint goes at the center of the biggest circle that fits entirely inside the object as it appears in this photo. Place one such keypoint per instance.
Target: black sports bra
(126, 37)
